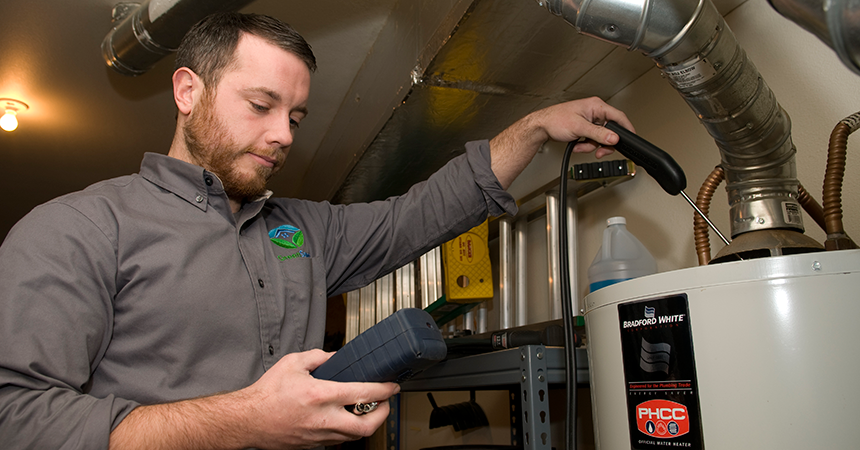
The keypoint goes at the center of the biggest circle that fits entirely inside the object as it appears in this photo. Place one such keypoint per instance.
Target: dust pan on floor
(462, 416)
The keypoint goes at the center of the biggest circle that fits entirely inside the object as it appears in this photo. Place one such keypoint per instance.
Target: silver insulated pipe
(145, 33)
(835, 22)
(699, 55)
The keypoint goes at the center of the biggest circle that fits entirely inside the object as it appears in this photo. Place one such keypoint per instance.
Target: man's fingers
(601, 139)
(364, 424)
(607, 113)
(311, 359)
(368, 392)
(603, 151)
(338, 394)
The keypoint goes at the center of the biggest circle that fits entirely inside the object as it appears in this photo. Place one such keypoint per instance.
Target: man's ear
(186, 87)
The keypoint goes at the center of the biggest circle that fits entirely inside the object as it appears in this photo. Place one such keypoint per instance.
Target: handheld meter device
(400, 346)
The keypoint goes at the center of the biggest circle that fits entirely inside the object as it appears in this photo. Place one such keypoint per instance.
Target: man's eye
(259, 108)
(294, 123)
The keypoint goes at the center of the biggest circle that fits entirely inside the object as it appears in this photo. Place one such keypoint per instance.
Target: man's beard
(208, 142)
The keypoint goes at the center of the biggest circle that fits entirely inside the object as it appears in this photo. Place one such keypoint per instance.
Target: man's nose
(281, 133)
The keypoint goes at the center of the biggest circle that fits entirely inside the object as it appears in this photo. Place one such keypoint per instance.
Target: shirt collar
(192, 183)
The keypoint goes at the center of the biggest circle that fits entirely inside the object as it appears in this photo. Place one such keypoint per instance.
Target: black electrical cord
(566, 305)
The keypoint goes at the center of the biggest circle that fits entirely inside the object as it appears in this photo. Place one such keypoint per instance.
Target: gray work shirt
(146, 288)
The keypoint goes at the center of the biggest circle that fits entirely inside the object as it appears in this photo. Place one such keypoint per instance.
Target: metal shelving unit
(526, 371)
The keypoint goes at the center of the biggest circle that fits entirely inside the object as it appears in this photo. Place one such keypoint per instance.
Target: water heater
(761, 353)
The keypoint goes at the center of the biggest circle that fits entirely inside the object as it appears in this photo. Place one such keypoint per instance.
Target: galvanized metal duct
(835, 22)
(699, 55)
(146, 32)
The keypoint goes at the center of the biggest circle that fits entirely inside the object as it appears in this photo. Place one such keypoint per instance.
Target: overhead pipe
(145, 33)
(697, 52)
(835, 22)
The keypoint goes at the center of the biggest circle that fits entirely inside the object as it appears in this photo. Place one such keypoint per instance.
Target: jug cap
(616, 220)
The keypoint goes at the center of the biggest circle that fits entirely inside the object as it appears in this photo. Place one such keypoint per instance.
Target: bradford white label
(660, 373)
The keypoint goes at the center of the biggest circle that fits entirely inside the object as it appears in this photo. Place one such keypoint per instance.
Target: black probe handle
(656, 162)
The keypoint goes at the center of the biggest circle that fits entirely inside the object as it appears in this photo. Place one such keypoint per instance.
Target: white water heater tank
(757, 354)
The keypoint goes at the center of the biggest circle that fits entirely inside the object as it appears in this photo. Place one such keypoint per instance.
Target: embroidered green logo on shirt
(288, 236)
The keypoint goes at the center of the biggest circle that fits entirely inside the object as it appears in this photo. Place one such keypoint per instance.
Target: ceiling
(401, 84)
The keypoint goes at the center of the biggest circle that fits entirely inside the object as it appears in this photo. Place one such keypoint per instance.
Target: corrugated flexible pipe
(700, 227)
(833, 176)
(697, 52)
(811, 206)
(144, 35)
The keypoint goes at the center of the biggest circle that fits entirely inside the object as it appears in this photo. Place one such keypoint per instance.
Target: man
(180, 307)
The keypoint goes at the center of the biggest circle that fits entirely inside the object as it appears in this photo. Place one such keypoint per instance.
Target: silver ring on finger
(364, 408)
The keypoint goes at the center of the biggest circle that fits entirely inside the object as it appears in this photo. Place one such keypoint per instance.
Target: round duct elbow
(650, 26)
(129, 48)
(144, 34)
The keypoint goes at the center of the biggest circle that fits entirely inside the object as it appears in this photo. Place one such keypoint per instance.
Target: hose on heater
(837, 239)
(567, 306)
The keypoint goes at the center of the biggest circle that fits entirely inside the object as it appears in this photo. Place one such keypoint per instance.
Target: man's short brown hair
(209, 46)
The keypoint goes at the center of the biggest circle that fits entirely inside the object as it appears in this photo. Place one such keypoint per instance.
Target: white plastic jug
(621, 257)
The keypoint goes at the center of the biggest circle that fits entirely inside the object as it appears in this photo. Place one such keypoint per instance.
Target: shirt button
(199, 198)
(271, 350)
(260, 282)
(208, 181)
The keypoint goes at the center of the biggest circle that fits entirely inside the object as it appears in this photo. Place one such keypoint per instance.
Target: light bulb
(9, 122)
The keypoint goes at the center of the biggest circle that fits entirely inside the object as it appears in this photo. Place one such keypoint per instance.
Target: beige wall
(810, 83)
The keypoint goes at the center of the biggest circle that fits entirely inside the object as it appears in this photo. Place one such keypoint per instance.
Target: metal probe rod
(658, 164)
(700, 213)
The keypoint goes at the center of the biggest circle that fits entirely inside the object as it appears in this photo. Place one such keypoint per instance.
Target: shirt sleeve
(57, 276)
(366, 241)
(498, 200)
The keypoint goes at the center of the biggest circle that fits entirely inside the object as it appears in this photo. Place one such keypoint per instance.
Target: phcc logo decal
(662, 419)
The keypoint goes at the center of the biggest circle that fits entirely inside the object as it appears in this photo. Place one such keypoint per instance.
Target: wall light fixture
(9, 121)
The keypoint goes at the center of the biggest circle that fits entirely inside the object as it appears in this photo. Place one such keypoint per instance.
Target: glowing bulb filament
(9, 122)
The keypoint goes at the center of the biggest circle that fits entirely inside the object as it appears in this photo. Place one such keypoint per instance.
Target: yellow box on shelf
(468, 271)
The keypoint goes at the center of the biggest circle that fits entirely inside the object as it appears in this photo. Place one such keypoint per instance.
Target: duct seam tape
(158, 7)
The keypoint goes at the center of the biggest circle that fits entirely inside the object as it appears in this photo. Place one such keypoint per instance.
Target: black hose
(566, 305)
